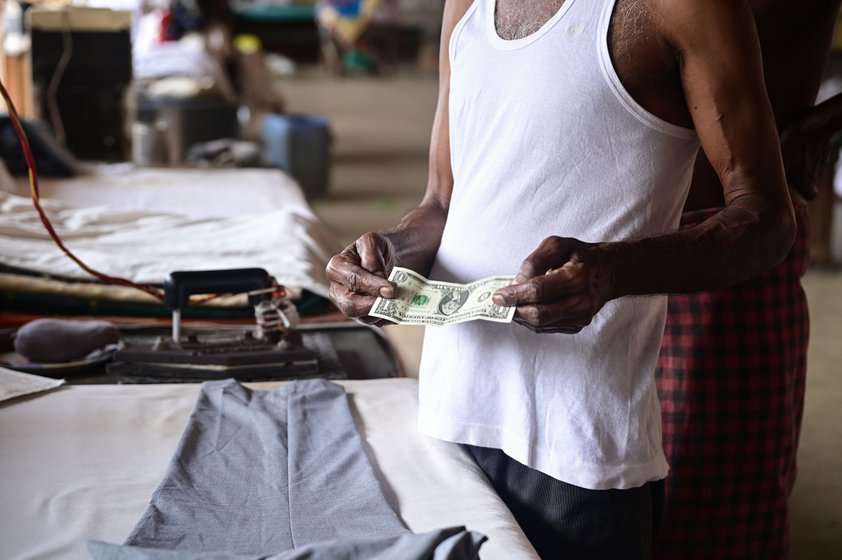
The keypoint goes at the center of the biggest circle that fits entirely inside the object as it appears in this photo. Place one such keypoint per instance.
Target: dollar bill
(419, 301)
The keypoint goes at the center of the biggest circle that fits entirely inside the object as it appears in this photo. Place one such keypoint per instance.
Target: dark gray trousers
(568, 522)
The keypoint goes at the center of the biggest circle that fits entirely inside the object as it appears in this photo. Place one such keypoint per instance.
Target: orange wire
(33, 186)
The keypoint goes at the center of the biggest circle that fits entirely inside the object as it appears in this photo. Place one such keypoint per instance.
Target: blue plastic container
(300, 145)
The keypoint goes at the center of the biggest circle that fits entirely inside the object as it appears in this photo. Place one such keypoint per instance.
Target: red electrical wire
(33, 186)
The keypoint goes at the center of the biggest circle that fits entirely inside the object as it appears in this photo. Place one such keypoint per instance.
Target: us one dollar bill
(419, 301)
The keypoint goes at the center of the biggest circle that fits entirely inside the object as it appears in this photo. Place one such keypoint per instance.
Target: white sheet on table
(192, 192)
(18, 384)
(81, 463)
(216, 219)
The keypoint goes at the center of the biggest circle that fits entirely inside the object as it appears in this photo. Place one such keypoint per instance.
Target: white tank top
(546, 141)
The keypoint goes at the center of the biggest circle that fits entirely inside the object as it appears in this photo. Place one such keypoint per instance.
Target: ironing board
(81, 462)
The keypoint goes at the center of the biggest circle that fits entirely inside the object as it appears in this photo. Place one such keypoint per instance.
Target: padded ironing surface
(81, 462)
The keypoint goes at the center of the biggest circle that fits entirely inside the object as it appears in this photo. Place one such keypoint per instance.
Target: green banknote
(428, 302)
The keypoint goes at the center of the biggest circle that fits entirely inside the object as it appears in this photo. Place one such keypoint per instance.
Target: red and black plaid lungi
(731, 382)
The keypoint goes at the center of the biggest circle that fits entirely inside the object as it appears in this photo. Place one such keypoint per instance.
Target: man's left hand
(560, 287)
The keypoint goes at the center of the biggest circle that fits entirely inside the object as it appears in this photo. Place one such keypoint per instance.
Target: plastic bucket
(300, 145)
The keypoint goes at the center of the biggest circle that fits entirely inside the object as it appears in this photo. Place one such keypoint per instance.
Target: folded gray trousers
(261, 472)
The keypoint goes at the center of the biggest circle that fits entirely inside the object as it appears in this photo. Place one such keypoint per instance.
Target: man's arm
(418, 235)
(359, 273)
(724, 90)
(722, 79)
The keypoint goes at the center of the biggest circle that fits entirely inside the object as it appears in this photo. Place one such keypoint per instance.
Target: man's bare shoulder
(679, 24)
(686, 23)
(454, 10)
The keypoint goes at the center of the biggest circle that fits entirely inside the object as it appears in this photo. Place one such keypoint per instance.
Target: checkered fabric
(731, 382)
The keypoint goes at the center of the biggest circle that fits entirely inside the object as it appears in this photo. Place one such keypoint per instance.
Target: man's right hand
(359, 274)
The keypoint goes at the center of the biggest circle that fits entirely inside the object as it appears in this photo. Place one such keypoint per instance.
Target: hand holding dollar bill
(419, 301)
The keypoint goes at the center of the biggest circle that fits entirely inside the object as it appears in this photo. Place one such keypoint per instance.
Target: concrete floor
(381, 128)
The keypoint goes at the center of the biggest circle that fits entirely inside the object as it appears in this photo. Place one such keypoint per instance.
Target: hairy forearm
(741, 241)
(417, 237)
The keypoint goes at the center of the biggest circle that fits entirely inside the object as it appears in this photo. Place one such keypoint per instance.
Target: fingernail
(498, 299)
(520, 279)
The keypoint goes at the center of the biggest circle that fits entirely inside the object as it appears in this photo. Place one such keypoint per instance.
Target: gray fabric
(259, 472)
(446, 544)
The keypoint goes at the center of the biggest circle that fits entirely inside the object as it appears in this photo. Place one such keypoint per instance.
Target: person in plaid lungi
(731, 382)
(731, 372)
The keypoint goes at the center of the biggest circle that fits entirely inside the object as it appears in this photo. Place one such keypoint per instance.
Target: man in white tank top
(562, 150)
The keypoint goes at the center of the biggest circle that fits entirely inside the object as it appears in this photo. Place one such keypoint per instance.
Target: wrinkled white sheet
(81, 462)
(143, 224)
